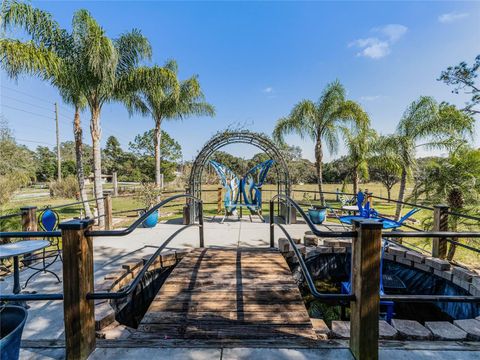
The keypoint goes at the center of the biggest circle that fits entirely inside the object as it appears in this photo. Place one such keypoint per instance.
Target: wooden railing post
(29, 218)
(29, 223)
(115, 183)
(79, 313)
(107, 203)
(440, 223)
(364, 310)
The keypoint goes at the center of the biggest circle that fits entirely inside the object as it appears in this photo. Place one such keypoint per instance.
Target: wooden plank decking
(238, 295)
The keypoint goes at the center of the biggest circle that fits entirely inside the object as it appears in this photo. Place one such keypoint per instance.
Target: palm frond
(97, 52)
(36, 22)
(132, 47)
(331, 99)
(27, 58)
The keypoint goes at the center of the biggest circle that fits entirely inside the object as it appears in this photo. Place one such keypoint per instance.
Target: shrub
(11, 183)
(66, 188)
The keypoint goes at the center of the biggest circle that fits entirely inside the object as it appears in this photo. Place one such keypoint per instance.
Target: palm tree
(358, 142)
(456, 181)
(437, 126)
(385, 163)
(50, 55)
(167, 100)
(321, 122)
(108, 72)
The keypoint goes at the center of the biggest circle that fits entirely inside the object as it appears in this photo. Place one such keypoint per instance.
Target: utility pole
(59, 160)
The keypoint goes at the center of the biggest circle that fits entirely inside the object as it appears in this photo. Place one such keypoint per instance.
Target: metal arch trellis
(231, 137)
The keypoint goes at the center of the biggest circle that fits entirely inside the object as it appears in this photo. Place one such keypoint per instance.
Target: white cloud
(268, 90)
(371, 47)
(451, 17)
(392, 31)
(379, 46)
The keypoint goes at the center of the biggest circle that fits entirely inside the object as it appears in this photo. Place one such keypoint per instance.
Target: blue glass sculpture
(245, 191)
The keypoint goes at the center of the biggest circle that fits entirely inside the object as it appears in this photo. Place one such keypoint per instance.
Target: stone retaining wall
(105, 323)
(468, 280)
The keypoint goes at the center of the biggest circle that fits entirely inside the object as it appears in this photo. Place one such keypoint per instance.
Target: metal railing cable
(308, 278)
(104, 295)
(303, 267)
(311, 225)
(392, 234)
(142, 218)
(9, 216)
(465, 216)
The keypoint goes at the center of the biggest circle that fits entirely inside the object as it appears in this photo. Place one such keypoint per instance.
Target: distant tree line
(20, 166)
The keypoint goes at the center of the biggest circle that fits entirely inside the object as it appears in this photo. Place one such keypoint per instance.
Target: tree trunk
(77, 132)
(319, 166)
(97, 164)
(158, 157)
(355, 180)
(389, 193)
(453, 247)
(401, 194)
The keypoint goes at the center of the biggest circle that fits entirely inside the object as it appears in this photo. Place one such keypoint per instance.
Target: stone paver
(444, 330)
(470, 326)
(411, 330)
(341, 329)
(386, 331)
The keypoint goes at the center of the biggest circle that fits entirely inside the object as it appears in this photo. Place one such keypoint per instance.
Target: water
(131, 309)
(329, 270)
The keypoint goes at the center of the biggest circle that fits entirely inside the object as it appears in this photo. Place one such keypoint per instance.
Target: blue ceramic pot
(12, 321)
(151, 220)
(317, 215)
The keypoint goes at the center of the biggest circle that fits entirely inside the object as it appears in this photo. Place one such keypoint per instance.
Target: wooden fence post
(115, 183)
(364, 310)
(440, 223)
(107, 203)
(29, 223)
(79, 313)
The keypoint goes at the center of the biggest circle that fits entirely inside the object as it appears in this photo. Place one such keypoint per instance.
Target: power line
(33, 97)
(63, 119)
(34, 141)
(26, 94)
(27, 103)
(29, 112)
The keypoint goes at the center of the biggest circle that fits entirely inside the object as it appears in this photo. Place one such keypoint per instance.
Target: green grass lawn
(423, 219)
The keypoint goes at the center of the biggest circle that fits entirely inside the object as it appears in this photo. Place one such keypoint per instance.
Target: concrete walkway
(249, 354)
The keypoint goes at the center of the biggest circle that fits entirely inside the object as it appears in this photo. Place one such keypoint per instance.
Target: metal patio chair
(48, 220)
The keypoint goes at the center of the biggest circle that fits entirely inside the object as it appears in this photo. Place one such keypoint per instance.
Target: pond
(330, 270)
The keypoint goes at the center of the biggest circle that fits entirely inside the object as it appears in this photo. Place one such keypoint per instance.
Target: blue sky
(255, 60)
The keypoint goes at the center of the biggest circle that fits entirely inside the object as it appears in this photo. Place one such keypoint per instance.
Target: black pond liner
(130, 310)
(335, 268)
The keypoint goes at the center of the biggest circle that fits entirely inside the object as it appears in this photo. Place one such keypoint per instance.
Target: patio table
(15, 250)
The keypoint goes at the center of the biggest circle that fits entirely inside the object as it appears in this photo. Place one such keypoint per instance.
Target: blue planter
(317, 215)
(151, 220)
(12, 321)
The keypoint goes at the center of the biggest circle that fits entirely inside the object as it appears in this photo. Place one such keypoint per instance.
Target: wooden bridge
(244, 296)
